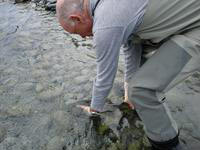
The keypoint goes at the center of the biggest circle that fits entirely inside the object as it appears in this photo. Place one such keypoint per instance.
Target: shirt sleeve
(107, 43)
(132, 56)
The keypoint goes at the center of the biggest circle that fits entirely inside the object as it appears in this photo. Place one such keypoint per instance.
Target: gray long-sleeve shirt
(114, 22)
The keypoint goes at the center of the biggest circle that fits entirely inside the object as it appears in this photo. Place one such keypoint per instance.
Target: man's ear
(76, 18)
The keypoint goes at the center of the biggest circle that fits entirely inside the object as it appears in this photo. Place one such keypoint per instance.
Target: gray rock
(50, 6)
(39, 87)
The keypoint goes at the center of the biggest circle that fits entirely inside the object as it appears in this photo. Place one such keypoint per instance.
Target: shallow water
(37, 57)
(42, 68)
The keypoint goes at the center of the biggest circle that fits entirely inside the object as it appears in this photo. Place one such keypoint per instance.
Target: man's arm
(132, 55)
(107, 43)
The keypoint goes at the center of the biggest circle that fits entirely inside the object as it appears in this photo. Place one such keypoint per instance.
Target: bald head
(74, 16)
(65, 8)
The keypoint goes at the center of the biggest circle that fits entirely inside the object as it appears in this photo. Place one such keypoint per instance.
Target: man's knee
(143, 98)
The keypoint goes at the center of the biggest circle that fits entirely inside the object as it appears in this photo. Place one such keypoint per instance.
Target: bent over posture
(172, 26)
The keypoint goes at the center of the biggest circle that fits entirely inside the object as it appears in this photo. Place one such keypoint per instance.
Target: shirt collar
(92, 6)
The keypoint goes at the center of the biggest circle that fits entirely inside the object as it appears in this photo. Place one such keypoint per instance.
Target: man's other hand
(126, 99)
(88, 110)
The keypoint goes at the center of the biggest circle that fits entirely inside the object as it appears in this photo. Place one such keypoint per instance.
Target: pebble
(39, 87)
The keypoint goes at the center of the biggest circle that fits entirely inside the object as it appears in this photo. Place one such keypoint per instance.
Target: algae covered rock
(115, 129)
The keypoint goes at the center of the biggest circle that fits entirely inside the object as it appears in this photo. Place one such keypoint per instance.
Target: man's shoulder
(114, 13)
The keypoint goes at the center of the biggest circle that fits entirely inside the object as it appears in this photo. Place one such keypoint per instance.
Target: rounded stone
(39, 88)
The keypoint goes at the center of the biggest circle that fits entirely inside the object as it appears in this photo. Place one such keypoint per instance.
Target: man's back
(119, 13)
(164, 18)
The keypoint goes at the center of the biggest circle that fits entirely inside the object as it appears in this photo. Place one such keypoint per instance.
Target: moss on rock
(103, 129)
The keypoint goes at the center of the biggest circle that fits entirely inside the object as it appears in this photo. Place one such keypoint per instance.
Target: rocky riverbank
(49, 5)
(45, 72)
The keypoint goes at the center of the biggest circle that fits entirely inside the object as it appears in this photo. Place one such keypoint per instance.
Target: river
(43, 68)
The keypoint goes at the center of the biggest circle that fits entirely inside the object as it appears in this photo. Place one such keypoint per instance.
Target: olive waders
(174, 25)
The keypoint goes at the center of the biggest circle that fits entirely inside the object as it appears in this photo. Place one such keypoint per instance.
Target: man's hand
(88, 110)
(126, 100)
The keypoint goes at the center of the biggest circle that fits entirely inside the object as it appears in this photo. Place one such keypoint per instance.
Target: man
(171, 26)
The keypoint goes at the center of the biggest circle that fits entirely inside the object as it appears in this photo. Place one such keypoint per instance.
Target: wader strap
(95, 7)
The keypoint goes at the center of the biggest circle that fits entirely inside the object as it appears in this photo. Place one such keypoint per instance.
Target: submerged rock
(115, 129)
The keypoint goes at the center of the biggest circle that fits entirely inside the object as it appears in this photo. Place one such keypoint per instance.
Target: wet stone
(39, 87)
(50, 6)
